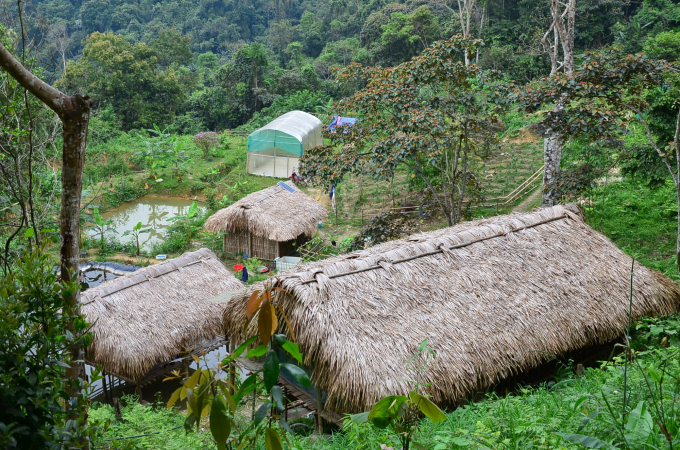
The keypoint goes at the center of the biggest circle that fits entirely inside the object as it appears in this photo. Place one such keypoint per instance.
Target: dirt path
(528, 202)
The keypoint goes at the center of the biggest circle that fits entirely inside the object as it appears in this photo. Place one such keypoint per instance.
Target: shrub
(206, 141)
(34, 333)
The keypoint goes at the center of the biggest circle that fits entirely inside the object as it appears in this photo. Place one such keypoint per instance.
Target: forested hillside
(217, 64)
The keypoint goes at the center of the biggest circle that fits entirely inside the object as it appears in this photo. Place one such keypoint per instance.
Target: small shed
(270, 223)
(274, 149)
(494, 297)
(145, 320)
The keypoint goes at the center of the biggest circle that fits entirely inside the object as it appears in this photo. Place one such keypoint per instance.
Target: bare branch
(43, 91)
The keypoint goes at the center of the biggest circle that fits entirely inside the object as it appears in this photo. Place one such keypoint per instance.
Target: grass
(640, 220)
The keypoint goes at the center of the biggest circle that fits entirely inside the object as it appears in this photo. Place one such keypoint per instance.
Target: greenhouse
(274, 149)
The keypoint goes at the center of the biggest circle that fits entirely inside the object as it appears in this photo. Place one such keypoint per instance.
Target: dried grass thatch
(151, 315)
(271, 213)
(493, 297)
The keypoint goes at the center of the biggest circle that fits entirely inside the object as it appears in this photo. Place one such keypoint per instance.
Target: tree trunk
(74, 112)
(552, 144)
(75, 120)
(552, 153)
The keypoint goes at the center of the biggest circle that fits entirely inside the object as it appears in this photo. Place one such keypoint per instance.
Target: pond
(153, 212)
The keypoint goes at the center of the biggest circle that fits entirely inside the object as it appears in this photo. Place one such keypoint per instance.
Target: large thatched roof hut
(493, 297)
(269, 223)
(150, 316)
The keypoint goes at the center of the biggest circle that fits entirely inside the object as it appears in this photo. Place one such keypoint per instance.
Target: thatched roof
(151, 315)
(494, 297)
(272, 213)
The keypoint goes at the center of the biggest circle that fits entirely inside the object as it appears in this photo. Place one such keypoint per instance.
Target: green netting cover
(292, 132)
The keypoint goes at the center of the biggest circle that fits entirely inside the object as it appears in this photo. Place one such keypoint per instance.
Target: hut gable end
(493, 297)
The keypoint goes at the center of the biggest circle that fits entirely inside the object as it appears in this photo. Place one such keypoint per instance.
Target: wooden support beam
(106, 395)
(139, 389)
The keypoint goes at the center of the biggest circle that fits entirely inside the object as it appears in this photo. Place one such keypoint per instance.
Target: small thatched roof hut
(269, 223)
(493, 297)
(150, 316)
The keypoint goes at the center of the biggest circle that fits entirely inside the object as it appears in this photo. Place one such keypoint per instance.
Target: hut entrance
(245, 242)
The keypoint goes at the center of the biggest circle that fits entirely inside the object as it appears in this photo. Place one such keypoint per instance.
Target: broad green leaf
(293, 350)
(192, 405)
(277, 395)
(193, 379)
(173, 397)
(428, 408)
(655, 375)
(270, 370)
(242, 348)
(586, 441)
(272, 439)
(285, 426)
(261, 413)
(256, 352)
(29, 233)
(386, 410)
(190, 421)
(227, 395)
(639, 426)
(360, 417)
(298, 373)
(192, 209)
(220, 427)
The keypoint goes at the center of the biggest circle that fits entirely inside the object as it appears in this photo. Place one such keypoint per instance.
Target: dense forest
(221, 64)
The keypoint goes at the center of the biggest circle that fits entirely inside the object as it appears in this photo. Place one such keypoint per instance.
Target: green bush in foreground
(35, 337)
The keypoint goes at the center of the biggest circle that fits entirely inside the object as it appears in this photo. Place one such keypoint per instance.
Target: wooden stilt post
(232, 367)
(106, 395)
(285, 402)
(139, 389)
(319, 410)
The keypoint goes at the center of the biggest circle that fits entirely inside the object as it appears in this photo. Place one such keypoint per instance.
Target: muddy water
(153, 212)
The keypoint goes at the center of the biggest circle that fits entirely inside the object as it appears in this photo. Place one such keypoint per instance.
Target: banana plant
(211, 239)
(212, 172)
(135, 232)
(156, 149)
(101, 226)
(210, 394)
(184, 221)
(178, 158)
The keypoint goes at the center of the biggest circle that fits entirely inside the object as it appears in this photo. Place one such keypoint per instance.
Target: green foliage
(209, 393)
(402, 413)
(139, 419)
(186, 222)
(425, 113)
(129, 77)
(36, 333)
(101, 226)
(639, 219)
(382, 228)
(135, 232)
(206, 141)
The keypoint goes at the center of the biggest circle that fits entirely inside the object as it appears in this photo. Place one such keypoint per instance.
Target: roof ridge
(141, 276)
(381, 260)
